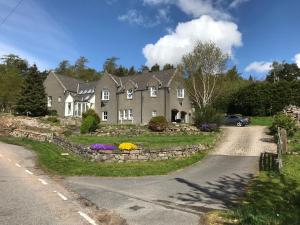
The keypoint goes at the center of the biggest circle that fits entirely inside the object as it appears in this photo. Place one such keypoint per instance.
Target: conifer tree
(32, 101)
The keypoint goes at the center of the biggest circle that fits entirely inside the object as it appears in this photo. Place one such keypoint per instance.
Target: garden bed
(135, 155)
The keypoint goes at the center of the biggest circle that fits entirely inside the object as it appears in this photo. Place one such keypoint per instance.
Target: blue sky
(140, 32)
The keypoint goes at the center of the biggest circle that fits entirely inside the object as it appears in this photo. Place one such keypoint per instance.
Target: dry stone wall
(129, 156)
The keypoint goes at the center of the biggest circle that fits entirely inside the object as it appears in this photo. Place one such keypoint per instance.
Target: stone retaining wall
(37, 136)
(129, 156)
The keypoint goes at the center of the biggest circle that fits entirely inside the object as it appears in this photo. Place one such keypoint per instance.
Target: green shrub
(91, 112)
(52, 119)
(158, 123)
(207, 115)
(52, 112)
(284, 121)
(67, 133)
(89, 124)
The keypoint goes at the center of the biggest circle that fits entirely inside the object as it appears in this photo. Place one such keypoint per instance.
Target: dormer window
(130, 94)
(180, 93)
(153, 91)
(105, 95)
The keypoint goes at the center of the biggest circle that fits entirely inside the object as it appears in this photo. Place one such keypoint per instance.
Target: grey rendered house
(122, 100)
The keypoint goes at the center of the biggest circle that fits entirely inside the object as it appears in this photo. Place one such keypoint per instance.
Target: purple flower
(103, 147)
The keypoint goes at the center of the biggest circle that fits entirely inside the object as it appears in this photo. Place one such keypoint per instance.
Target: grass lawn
(50, 159)
(148, 142)
(294, 143)
(262, 120)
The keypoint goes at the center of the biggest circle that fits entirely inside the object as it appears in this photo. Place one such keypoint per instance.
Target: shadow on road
(222, 193)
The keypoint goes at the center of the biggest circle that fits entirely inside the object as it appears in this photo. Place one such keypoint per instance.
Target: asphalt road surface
(29, 197)
(180, 197)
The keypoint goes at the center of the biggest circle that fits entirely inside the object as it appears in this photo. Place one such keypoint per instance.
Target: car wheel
(239, 124)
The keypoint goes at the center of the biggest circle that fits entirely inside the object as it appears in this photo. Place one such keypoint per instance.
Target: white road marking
(89, 219)
(61, 196)
(27, 171)
(42, 181)
(9, 159)
(18, 165)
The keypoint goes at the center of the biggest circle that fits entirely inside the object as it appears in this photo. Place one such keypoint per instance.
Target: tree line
(206, 80)
(80, 70)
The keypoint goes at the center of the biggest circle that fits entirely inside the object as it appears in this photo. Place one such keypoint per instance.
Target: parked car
(236, 120)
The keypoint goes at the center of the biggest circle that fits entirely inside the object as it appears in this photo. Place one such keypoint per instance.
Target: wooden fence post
(283, 135)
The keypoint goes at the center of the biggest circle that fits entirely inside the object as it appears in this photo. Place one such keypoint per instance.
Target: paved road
(178, 198)
(28, 197)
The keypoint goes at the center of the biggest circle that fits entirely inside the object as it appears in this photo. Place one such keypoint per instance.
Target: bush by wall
(284, 121)
(265, 98)
(208, 115)
(158, 123)
(89, 124)
(91, 112)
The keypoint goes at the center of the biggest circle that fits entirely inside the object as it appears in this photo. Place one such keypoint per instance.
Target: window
(104, 116)
(130, 114)
(129, 93)
(59, 99)
(125, 114)
(49, 101)
(153, 91)
(69, 108)
(121, 115)
(180, 93)
(154, 113)
(105, 95)
(79, 109)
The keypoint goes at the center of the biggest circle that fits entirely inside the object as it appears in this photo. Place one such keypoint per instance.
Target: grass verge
(50, 159)
(148, 142)
(262, 121)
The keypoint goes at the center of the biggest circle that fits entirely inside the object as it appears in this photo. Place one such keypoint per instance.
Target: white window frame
(154, 113)
(180, 93)
(125, 114)
(104, 116)
(129, 94)
(121, 114)
(130, 114)
(105, 95)
(153, 91)
(69, 105)
(49, 103)
(59, 99)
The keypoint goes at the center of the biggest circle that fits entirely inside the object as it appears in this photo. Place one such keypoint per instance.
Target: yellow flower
(126, 146)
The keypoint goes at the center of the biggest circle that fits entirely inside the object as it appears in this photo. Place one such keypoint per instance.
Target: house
(122, 100)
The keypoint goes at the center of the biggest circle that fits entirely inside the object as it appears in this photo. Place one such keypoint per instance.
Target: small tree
(203, 67)
(32, 101)
(158, 123)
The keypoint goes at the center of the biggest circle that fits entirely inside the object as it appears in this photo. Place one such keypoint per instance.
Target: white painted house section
(69, 106)
(92, 102)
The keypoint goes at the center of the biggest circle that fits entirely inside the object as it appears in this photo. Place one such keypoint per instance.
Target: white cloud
(214, 8)
(34, 33)
(236, 3)
(297, 59)
(134, 16)
(171, 47)
(259, 67)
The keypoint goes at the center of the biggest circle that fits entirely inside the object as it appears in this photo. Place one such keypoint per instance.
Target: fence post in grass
(279, 149)
(283, 135)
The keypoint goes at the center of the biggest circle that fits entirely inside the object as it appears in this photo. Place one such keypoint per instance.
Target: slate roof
(85, 90)
(143, 79)
(73, 84)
